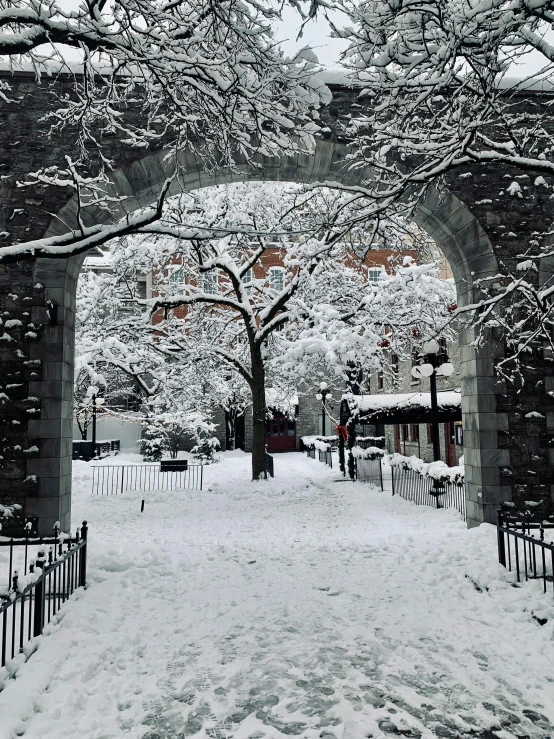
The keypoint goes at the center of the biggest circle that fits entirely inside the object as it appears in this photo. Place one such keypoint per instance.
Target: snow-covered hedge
(318, 442)
(437, 470)
(370, 438)
(372, 452)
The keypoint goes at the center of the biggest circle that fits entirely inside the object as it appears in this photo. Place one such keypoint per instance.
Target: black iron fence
(425, 490)
(324, 456)
(269, 465)
(86, 450)
(52, 569)
(521, 550)
(370, 470)
(114, 479)
(364, 442)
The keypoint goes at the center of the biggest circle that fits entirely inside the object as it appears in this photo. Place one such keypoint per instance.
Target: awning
(400, 408)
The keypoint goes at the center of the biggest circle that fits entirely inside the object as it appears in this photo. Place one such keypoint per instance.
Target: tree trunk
(259, 470)
(230, 425)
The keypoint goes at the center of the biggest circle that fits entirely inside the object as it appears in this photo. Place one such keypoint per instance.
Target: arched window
(247, 280)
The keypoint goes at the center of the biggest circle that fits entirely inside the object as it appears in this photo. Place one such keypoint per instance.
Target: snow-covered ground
(306, 605)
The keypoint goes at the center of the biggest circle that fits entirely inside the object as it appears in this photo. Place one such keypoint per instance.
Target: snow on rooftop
(446, 399)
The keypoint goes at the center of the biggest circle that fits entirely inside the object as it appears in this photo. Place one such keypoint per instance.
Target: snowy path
(306, 606)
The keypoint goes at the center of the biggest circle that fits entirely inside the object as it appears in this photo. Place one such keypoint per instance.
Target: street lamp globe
(446, 369)
(426, 370)
(323, 385)
(319, 396)
(431, 347)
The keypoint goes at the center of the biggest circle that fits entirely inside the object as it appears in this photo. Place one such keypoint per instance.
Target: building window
(414, 436)
(429, 434)
(380, 381)
(247, 280)
(177, 277)
(276, 279)
(394, 363)
(374, 275)
(368, 384)
(404, 433)
(210, 282)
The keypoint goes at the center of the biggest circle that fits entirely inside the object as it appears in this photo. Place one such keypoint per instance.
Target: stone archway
(446, 219)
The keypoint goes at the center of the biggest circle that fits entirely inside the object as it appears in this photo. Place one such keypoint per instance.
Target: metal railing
(522, 551)
(326, 457)
(370, 470)
(114, 479)
(86, 450)
(365, 443)
(34, 596)
(425, 490)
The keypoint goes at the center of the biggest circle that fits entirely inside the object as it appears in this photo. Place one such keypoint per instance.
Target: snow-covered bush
(153, 442)
(372, 452)
(436, 470)
(322, 443)
(206, 449)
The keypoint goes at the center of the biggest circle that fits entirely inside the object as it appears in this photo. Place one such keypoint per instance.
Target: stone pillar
(37, 303)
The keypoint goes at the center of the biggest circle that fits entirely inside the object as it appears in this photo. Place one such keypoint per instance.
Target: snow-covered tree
(244, 299)
(439, 79)
(391, 317)
(283, 299)
(202, 76)
(445, 84)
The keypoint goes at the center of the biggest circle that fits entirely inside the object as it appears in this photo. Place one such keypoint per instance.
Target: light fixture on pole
(322, 395)
(431, 368)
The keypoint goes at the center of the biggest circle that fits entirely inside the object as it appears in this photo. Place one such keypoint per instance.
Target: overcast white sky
(316, 35)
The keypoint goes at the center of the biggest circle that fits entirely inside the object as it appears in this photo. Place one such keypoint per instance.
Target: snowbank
(436, 470)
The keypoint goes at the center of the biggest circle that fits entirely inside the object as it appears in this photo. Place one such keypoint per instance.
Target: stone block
(474, 511)
(480, 439)
(53, 487)
(44, 429)
(490, 476)
(473, 475)
(49, 467)
(494, 457)
(496, 494)
(44, 508)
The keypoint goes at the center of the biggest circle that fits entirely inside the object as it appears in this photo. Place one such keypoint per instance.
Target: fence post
(501, 542)
(83, 558)
(381, 473)
(38, 616)
(392, 477)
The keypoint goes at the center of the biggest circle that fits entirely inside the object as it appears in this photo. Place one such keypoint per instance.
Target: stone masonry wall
(482, 225)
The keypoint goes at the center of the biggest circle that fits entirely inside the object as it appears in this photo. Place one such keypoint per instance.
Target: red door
(450, 445)
(280, 433)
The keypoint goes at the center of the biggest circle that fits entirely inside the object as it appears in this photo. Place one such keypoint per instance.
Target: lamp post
(431, 368)
(323, 393)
